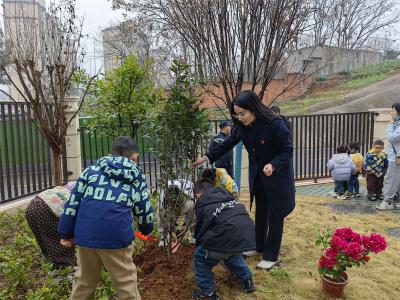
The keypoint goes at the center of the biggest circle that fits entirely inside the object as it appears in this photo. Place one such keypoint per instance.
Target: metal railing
(26, 165)
(315, 138)
(95, 143)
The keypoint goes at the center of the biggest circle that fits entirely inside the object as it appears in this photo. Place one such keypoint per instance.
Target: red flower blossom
(338, 243)
(327, 262)
(377, 243)
(355, 251)
(346, 249)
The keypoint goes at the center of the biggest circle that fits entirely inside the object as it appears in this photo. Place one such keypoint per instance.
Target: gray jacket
(393, 135)
(342, 167)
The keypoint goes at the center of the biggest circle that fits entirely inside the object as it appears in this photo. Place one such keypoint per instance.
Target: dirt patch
(351, 209)
(323, 86)
(394, 232)
(158, 280)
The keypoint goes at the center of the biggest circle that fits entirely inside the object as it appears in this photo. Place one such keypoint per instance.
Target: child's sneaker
(197, 295)
(248, 286)
(372, 197)
(341, 197)
(357, 195)
(379, 197)
(386, 204)
(334, 194)
(192, 240)
(163, 241)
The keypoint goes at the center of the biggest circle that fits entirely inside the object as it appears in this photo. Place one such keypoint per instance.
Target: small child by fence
(341, 168)
(358, 160)
(375, 166)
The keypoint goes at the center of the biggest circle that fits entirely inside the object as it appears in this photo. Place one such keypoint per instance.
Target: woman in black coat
(271, 179)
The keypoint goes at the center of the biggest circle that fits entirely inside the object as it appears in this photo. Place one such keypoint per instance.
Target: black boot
(248, 286)
(198, 295)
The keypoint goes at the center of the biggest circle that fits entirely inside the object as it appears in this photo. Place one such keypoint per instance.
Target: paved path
(378, 95)
(359, 205)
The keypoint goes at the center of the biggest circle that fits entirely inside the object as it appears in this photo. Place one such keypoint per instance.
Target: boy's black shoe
(197, 295)
(248, 286)
(379, 197)
(372, 197)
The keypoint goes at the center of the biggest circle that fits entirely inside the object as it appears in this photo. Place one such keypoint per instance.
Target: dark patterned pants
(43, 224)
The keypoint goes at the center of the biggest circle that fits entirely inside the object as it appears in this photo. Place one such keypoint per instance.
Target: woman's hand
(268, 169)
(394, 115)
(200, 161)
(67, 242)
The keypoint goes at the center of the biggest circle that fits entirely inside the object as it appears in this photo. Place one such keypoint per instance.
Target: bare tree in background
(128, 37)
(350, 23)
(45, 53)
(232, 40)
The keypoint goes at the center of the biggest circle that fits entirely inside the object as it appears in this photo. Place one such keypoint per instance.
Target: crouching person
(223, 232)
(98, 217)
(180, 190)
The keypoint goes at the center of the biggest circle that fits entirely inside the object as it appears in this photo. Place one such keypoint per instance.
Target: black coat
(222, 223)
(226, 160)
(266, 143)
(288, 125)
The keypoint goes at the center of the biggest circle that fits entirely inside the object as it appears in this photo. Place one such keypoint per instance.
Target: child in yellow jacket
(358, 161)
(221, 179)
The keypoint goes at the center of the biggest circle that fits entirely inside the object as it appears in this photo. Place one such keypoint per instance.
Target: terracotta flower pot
(335, 288)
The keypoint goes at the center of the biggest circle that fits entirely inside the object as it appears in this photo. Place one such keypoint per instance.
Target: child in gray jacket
(341, 167)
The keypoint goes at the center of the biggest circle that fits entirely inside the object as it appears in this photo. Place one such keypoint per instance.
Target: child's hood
(341, 158)
(380, 154)
(121, 168)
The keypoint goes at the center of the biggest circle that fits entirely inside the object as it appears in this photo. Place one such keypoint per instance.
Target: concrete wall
(382, 119)
(325, 61)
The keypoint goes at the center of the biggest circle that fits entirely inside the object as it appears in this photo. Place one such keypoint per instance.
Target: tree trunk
(57, 167)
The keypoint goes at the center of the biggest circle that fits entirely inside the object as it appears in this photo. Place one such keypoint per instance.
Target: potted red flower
(344, 249)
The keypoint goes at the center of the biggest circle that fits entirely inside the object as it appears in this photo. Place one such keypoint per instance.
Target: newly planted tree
(177, 127)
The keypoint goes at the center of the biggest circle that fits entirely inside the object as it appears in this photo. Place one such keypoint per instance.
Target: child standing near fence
(341, 168)
(358, 161)
(375, 166)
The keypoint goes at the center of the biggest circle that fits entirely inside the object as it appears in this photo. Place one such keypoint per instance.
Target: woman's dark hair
(342, 149)
(275, 109)
(249, 100)
(355, 146)
(209, 173)
(123, 146)
(396, 106)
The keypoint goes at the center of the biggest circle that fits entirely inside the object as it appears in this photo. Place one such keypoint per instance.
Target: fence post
(72, 140)
(382, 119)
(244, 168)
